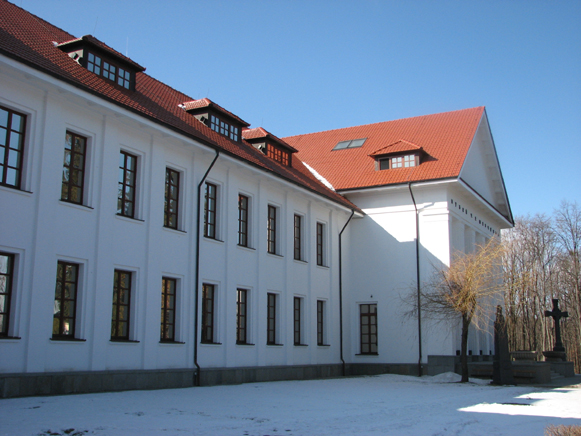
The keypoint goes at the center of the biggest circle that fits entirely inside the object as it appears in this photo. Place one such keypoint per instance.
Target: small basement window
(353, 143)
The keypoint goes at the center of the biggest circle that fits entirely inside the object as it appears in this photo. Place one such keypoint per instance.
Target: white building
(152, 240)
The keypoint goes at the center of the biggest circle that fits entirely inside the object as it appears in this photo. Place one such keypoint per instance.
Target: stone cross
(556, 314)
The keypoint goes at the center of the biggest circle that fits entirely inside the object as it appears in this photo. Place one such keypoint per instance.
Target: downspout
(418, 282)
(341, 292)
(197, 274)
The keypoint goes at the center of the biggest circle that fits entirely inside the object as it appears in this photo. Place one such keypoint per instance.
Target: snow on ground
(374, 405)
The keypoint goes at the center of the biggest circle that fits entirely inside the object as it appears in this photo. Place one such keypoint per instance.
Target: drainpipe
(197, 274)
(341, 291)
(418, 282)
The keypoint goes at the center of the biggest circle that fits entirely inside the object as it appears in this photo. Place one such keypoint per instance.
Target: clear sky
(299, 66)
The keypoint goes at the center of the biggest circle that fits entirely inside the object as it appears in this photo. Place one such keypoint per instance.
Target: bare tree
(466, 291)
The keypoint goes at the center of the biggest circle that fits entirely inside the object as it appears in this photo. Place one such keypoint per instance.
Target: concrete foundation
(566, 369)
(441, 364)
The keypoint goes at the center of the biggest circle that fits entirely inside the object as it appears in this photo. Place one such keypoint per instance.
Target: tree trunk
(464, 351)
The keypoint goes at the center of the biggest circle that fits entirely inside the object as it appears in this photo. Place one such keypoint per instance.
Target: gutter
(197, 273)
(341, 292)
(418, 282)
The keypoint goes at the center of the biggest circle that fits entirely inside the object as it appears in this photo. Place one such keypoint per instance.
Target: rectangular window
(271, 319)
(320, 322)
(208, 313)
(168, 309)
(243, 220)
(94, 63)
(74, 168)
(65, 300)
(368, 327)
(111, 72)
(210, 211)
(172, 198)
(241, 316)
(271, 229)
(320, 244)
(12, 127)
(297, 320)
(127, 183)
(121, 305)
(298, 237)
(277, 154)
(6, 280)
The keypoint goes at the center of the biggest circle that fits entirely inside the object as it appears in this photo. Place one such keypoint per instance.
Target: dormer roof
(401, 146)
(260, 134)
(198, 106)
(90, 41)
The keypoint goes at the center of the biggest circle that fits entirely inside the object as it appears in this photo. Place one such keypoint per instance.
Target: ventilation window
(354, 143)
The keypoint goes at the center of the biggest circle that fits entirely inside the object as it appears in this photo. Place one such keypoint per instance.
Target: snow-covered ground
(378, 405)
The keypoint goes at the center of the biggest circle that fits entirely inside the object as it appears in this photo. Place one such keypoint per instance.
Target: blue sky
(304, 66)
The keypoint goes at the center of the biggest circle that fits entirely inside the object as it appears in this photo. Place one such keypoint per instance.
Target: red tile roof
(396, 147)
(444, 137)
(30, 40)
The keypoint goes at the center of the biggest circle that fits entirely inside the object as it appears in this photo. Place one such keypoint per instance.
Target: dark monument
(558, 353)
(501, 367)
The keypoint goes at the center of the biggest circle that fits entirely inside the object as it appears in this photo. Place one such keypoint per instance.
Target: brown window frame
(242, 316)
(120, 76)
(271, 229)
(368, 323)
(320, 322)
(69, 185)
(7, 277)
(271, 330)
(224, 128)
(59, 331)
(208, 312)
(10, 164)
(278, 154)
(210, 210)
(168, 309)
(172, 196)
(127, 184)
(320, 244)
(243, 203)
(297, 318)
(298, 235)
(121, 313)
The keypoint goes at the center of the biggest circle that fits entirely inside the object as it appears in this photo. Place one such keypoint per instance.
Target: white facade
(41, 230)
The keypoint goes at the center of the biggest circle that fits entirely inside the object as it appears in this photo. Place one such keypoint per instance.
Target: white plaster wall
(44, 229)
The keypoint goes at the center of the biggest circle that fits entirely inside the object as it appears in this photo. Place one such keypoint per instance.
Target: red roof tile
(31, 40)
(445, 137)
(396, 147)
(259, 132)
(206, 102)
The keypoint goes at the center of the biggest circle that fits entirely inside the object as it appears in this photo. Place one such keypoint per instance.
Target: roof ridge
(384, 122)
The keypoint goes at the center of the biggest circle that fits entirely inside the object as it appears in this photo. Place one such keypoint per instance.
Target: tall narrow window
(298, 237)
(241, 316)
(271, 230)
(6, 279)
(210, 211)
(320, 322)
(74, 168)
(242, 220)
(65, 300)
(127, 182)
(121, 305)
(172, 198)
(12, 127)
(271, 319)
(297, 320)
(168, 309)
(208, 313)
(368, 327)
(320, 244)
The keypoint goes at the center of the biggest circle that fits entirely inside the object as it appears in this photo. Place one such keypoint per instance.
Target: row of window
(12, 127)
(65, 314)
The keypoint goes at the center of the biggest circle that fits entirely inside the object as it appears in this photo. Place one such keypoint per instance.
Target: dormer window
(224, 128)
(216, 118)
(272, 146)
(103, 61)
(407, 161)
